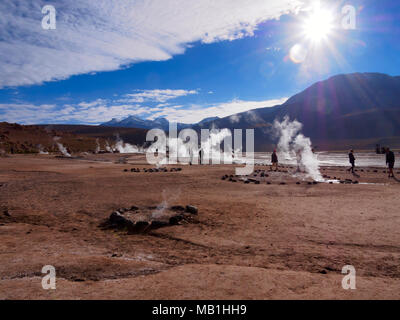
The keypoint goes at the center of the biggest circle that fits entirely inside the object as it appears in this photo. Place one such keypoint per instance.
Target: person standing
(201, 154)
(390, 159)
(274, 160)
(352, 161)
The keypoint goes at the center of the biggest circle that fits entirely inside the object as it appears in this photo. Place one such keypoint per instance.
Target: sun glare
(319, 25)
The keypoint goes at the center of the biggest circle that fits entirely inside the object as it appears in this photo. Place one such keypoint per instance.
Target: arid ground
(249, 241)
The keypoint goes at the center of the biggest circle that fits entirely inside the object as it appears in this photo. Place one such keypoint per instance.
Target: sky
(184, 60)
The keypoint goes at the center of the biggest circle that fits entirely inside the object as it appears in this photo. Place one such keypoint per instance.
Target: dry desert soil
(248, 241)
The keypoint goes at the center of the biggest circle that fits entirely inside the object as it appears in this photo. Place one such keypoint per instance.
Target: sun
(319, 25)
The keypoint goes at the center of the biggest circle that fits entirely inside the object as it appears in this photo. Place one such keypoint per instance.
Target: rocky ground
(248, 240)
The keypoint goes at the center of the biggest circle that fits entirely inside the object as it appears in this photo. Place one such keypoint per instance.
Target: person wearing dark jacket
(274, 160)
(352, 160)
(390, 159)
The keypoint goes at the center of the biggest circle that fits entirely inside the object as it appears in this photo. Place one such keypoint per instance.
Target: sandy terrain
(250, 241)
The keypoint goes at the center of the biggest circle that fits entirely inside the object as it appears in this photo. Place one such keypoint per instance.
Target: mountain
(351, 107)
(159, 123)
(136, 122)
(207, 120)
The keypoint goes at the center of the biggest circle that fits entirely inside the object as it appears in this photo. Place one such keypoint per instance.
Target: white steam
(108, 148)
(293, 144)
(41, 149)
(123, 147)
(62, 149)
(97, 146)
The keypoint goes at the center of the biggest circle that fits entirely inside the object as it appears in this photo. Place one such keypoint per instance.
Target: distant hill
(131, 135)
(159, 123)
(15, 138)
(354, 107)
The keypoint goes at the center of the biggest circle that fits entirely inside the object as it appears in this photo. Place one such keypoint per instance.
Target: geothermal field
(115, 227)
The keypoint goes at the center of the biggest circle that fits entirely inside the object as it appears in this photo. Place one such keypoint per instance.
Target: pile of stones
(136, 220)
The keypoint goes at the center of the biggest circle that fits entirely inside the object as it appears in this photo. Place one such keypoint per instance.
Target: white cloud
(161, 96)
(105, 35)
(101, 111)
(95, 114)
(197, 113)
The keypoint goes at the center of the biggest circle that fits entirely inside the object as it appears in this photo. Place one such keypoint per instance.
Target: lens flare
(298, 53)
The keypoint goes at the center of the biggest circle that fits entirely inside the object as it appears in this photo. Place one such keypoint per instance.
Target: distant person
(201, 156)
(274, 160)
(352, 161)
(390, 159)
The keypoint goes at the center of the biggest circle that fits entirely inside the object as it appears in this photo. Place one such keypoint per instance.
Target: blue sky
(180, 59)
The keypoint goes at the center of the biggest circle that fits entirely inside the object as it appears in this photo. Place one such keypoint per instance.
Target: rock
(139, 227)
(120, 221)
(6, 213)
(178, 208)
(134, 208)
(158, 224)
(192, 209)
(257, 182)
(117, 218)
(125, 170)
(283, 183)
(173, 221)
(298, 183)
(355, 182)
(268, 182)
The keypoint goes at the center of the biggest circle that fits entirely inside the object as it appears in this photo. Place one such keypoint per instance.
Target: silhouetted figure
(274, 160)
(352, 161)
(201, 153)
(390, 159)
